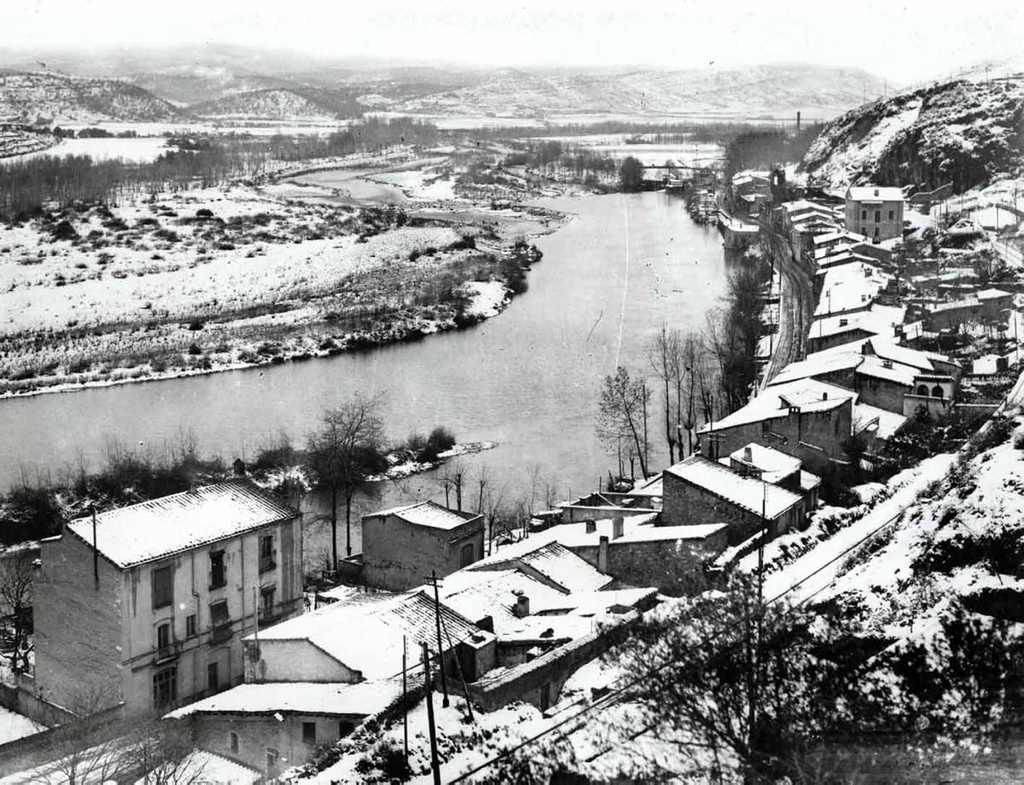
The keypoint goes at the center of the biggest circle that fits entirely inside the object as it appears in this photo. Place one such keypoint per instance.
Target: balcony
(165, 654)
(221, 632)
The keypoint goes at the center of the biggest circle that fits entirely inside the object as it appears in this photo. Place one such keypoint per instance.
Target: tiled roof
(427, 513)
(361, 699)
(162, 527)
(748, 493)
(773, 464)
(548, 558)
(367, 636)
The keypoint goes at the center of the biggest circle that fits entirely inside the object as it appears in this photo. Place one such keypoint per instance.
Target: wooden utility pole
(405, 705)
(440, 648)
(435, 765)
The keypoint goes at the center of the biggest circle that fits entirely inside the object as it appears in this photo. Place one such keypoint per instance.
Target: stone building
(875, 212)
(147, 605)
(402, 546)
(700, 491)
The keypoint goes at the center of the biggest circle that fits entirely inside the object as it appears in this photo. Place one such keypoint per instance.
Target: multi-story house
(876, 213)
(147, 605)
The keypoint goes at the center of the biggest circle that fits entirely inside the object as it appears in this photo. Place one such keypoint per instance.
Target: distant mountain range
(239, 82)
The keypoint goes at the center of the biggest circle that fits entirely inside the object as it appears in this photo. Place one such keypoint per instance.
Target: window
(878, 216)
(190, 626)
(892, 215)
(163, 587)
(219, 613)
(863, 215)
(212, 677)
(876, 231)
(922, 389)
(267, 553)
(233, 741)
(218, 575)
(309, 733)
(271, 759)
(165, 687)
(345, 728)
(467, 556)
(267, 601)
(936, 391)
(163, 638)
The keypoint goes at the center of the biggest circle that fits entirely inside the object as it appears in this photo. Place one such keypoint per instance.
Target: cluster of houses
(192, 606)
(863, 376)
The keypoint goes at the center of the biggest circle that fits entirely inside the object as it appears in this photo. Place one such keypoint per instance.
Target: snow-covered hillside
(276, 104)
(777, 91)
(961, 540)
(961, 132)
(30, 96)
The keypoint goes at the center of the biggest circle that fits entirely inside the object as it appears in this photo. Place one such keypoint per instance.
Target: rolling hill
(280, 104)
(31, 96)
(773, 90)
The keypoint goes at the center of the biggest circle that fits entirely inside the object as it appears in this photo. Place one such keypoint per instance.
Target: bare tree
(665, 355)
(16, 575)
(622, 414)
(343, 453)
(451, 481)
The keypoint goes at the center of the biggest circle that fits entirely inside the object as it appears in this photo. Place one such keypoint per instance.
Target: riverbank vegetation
(763, 148)
(349, 450)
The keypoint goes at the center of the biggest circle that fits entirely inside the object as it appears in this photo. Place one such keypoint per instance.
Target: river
(527, 379)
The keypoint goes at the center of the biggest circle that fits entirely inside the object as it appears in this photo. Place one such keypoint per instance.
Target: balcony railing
(221, 632)
(166, 653)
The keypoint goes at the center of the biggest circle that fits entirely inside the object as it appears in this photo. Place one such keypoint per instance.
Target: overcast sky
(903, 42)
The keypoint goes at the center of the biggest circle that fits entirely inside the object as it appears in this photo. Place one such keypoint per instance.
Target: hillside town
(737, 493)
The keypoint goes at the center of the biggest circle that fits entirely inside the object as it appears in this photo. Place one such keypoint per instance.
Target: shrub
(194, 349)
(204, 212)
(64, 231)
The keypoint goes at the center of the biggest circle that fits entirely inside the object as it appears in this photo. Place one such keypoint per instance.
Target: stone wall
(78, 640)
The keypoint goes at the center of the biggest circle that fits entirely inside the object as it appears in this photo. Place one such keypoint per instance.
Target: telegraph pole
(437, 621)
(435, 765)
(405, 705)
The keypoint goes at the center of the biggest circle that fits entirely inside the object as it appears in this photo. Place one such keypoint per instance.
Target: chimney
(591, 526)
(486, 623)
(824, 396)
(522, 607)
(748, 454)
(602, 554)
(876, 192)
(239, 467)
(617, 524)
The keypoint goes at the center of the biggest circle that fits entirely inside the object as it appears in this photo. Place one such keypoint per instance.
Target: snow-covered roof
(885, 424)
(841, 358)
(479, 593)
(992, 294)
(172, 524)
(809, 394)
(874, 193)
(650, 487)
(843, 257)
(907, 356)
(427, 513)
(838, 236)
(639, 528)
(335, 699)
(205, 768)
(878, 320)
(749, 493)
(381, 621)
(548, 558)
(773, 464)
(879, 368)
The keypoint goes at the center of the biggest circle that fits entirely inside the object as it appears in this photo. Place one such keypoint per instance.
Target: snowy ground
(815, 570)
(15, 726)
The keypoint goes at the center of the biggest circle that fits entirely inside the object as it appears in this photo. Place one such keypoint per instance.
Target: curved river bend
(526, 379)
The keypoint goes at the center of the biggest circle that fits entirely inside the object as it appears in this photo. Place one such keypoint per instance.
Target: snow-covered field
(139, 150)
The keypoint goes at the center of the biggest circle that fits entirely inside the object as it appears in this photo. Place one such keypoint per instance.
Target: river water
(527, 379)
